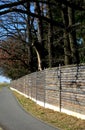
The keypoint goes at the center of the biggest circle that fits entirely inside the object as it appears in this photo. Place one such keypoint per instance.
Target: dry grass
(57, 119)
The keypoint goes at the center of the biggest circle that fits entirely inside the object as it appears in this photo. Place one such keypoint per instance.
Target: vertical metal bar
(31, 85)
(36, 86)
(44, 83)
(28, 86)
(60, 87)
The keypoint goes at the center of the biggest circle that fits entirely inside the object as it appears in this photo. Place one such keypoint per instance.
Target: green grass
(57, 119)
(1, 128)
(4, 85)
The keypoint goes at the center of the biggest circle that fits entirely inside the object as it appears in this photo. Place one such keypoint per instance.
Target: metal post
(60, 87)
(44, 83)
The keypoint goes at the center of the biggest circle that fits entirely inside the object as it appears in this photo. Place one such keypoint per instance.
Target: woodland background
(38, 34)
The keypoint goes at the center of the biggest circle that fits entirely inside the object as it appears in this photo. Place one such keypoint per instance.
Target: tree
(50, 32)
(14, 56)
(70, 39)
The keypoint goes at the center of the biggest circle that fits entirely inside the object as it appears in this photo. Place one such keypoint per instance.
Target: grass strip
(3, 85)
(56, 119)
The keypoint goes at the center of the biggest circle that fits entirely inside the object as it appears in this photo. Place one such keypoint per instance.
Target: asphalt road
(13, 117)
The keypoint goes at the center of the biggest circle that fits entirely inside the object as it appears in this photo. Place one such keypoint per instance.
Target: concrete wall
(61, 89)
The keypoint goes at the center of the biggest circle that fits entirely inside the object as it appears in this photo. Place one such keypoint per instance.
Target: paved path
(13, 117)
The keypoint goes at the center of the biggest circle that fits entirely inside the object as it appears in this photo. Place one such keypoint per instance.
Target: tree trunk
(38, 59)
(40, 55)
(67, 51)
(50, 36)
(72, 37)
(29, 37)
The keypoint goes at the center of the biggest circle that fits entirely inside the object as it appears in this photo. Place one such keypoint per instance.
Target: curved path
(13, 117)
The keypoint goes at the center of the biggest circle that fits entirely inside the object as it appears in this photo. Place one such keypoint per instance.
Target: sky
(4, 79)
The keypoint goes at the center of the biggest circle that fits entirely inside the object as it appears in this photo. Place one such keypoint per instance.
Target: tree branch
(65, 2)
(55, 23)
